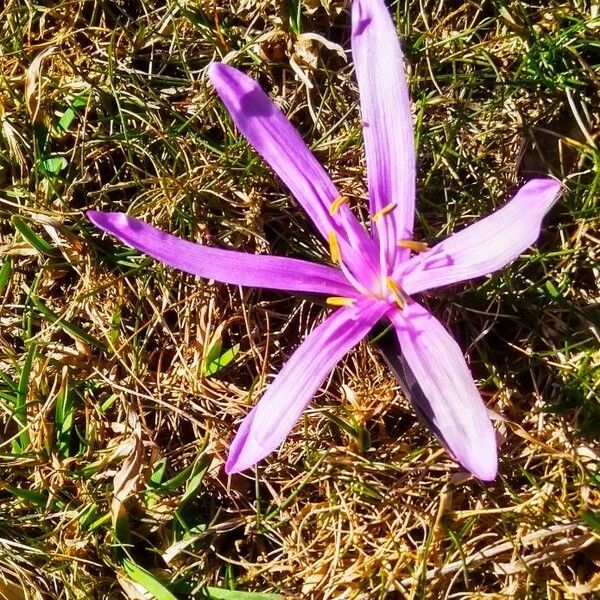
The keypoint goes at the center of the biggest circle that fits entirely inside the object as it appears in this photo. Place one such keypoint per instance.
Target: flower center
(387, 288)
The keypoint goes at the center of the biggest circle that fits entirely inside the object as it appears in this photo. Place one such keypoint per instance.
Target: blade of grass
(213, 593)
(147, 580)
(5, 273)
(64, 416)
(30, 236)
(20, 411)
(72, 329)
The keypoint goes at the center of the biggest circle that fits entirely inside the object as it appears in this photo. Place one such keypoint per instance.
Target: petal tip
(244, 452)
(215, 70)
(487, 472)
(221, 74)
(100, 219)
(230, 466)
(482, 462)
(109, 221)
(93, 216)
(241, 458)
(546, 187)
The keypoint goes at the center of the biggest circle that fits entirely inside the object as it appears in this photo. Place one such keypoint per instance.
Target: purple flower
(375, 276)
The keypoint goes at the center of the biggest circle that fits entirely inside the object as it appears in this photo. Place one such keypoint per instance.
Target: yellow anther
(386, 210)
(399, 296)
(414, 246)
(339, 301)
(335, 205)
(334, 248)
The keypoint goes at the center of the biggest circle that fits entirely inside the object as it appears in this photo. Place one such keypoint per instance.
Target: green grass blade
(5, 273)
(72, 329)
(213, 593)
(31, 496)
(20, 411)
(592, 519)
(147, 581)
(64, 416)
(195, 481)
(215, 360)
(30, 236)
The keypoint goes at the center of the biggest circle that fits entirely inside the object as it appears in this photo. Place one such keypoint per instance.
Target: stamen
(414, 246)
(386, 210)
(339, 301)
(399, 296)
(334, 248)
(335, 205)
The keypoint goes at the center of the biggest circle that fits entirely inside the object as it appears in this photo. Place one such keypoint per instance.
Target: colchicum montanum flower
(376, 276)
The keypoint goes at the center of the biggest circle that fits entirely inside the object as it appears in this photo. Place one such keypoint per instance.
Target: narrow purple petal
(485, 246)
(270, 421)
(227, 266)
(387, 122)
(278, 142)
(455, 406)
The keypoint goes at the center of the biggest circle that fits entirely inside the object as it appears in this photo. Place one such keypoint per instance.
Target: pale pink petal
(455, 409)
(485, 246)
(387, 124)
(227, 266)
(278, 142)
(276, 413)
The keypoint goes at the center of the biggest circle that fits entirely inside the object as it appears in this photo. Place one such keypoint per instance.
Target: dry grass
(114, 432)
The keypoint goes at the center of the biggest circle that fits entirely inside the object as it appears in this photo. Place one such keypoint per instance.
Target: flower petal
(270, 421)
(276, 140)
(485, 246)
(455, 406)
(387, 122)
(227, 266)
